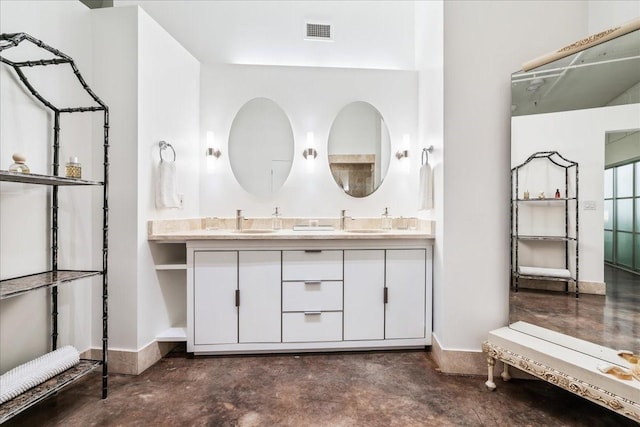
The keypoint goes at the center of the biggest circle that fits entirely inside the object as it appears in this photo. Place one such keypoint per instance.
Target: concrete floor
(342, 389)
(612, 321)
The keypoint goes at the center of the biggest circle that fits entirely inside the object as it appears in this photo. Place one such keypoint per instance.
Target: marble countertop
(195, 229)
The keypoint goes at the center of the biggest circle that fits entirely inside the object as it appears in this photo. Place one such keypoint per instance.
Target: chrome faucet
(239, 219)
(343, 217)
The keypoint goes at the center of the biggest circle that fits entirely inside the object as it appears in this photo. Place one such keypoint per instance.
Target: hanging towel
(166, 189)
(425, 192)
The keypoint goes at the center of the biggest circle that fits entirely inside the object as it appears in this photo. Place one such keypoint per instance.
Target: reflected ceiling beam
(97, 4)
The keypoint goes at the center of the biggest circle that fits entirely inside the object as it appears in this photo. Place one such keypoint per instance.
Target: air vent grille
(319, 31)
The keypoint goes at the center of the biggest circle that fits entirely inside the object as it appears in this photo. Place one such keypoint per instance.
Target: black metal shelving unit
(54, 277)
(569, 239)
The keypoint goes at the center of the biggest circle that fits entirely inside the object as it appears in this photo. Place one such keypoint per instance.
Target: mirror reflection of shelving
(622, 215)
(544, 223)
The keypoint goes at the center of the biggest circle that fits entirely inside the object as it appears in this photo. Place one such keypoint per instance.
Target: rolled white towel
(35, 372)
(166, 186)
(549, 272)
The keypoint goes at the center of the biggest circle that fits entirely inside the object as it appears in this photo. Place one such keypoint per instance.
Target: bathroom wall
(26, 127)
(151, 85)
(471, 271)
(311, 98)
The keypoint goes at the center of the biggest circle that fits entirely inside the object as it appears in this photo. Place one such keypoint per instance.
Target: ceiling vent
(318, 31)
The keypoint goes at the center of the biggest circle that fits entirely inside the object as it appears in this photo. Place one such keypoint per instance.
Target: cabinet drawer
(313, 326)
(312, 296)
(312, 265)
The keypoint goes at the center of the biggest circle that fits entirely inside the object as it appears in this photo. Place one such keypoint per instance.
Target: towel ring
(163, 146)
(425, 154)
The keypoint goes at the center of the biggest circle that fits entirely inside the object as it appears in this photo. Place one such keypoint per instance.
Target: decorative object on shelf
(73, 169)
(30, 374)
(19, 164)
(561, 169)
(166, 186)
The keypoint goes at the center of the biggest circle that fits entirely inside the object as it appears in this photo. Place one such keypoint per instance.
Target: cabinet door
(363, 294)
(405, 280)
(259, 283)
(215, 284)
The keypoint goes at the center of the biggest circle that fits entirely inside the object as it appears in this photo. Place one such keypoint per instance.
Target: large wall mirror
(359, 149)
(587, 108)
(261, 147)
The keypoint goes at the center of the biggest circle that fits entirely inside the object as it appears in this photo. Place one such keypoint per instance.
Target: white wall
(311, 98)
(471, 285)
(579, 136)
(151, 86)
(26, 127)
(605, 14)
(168, 109)
(367, 34)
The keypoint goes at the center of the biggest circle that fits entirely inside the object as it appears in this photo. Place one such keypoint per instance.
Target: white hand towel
(425, 192)
(166, 188)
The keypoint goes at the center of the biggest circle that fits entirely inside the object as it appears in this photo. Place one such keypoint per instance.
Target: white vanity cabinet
(236, 297)
(308, 295)
(385, 294)
(312, 295)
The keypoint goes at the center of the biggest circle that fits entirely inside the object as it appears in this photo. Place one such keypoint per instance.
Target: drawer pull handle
(312, 313)
(313, 283)
(313, 251)
(237, 297)
(386, 295)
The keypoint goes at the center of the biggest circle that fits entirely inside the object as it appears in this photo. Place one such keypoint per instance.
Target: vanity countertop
(192, 229)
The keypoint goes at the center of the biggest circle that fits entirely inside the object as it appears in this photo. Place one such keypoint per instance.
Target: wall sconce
(404, 151)
(310, 152)
(211, 151)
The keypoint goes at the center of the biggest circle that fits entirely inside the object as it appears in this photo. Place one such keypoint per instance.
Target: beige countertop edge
(290, 235)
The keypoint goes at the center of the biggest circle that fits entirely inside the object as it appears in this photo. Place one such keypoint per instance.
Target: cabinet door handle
(312, 313)
(313, 283)
(237, 297)
(386, 295)
(313, 251)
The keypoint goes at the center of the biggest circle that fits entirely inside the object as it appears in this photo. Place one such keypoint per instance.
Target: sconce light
(404, 151)
(310, 152)
(211, 151)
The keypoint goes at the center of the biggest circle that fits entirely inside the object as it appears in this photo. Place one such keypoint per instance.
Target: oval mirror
(261, 147)
(359, 149)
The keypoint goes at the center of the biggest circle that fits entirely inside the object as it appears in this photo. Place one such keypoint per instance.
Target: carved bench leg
(491, 362)
(505, 373)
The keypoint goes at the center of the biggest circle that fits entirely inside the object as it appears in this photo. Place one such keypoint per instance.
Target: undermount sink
(366, 230)
(255, 231)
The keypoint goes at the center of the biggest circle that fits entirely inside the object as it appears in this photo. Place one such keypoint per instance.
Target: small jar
(19, 164)
(73, 169)
(276, 221)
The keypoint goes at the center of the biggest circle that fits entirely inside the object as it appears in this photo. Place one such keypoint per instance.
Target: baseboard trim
(131, 362)
(467, 362)
(462, 362)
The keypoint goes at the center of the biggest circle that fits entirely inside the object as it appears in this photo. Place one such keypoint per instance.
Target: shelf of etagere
(554, 199)
(20, 285)
(547, 238)
(40, 392)
(32, 178)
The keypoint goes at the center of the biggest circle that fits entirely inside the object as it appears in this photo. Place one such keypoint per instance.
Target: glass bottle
(19, 164)
(73, 169)
(276, 221)
(385, 220)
